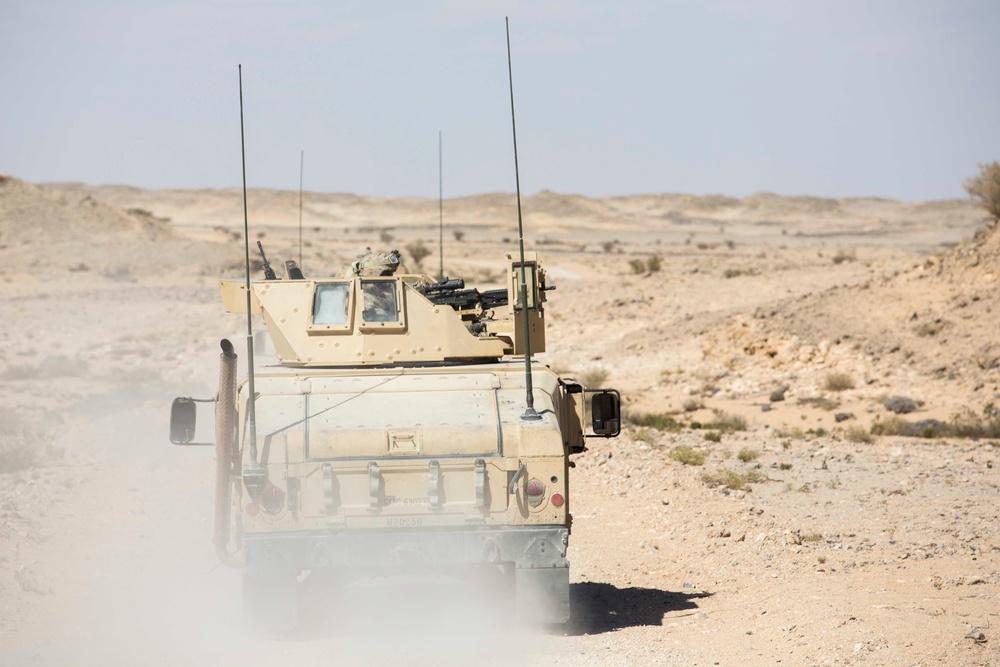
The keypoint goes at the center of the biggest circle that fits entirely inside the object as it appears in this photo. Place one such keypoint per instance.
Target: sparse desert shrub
(692, 404)
(821, 402)
(643, 435)
(968, 424)
(795, 433)
(732, 273)
(924, 428)
(838, 382)
(121, 273)
(812, 537)
(731, 479)
(608, 246)
(644, 267)
(858, 433)
(844, 256)
(926, 329)
(687, 455)
(984, 187)
(899, 405)
(418, 252)
(746, 455)
(713, 436)
(657, 420)
(708, 388)
(727, 421)
(593, 378)
(386, 237)
(458, 234)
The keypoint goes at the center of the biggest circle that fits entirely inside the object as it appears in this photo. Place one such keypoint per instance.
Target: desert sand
(760, 507)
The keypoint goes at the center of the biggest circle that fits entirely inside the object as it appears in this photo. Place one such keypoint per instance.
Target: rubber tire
(270, 603)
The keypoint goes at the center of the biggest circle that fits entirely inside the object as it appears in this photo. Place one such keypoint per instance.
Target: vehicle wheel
(270, 602)
(543, 595)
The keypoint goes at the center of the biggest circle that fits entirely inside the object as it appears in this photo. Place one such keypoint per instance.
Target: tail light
(273, 499)
(557, 500)
(535, 490)
(251, 508)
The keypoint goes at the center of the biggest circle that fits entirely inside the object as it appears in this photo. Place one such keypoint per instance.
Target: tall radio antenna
(529, 397)
(253, 476)
(302, 162)
(440, 213)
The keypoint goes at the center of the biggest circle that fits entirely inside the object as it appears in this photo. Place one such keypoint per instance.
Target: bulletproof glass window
(529, 281)
(330, 303)
(380, 300)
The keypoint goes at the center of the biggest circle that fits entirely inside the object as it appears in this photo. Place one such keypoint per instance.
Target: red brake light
(535, 491)
(251, 508)
(557, 499)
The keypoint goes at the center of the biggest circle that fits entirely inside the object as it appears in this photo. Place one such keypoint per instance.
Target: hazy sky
(839, 98)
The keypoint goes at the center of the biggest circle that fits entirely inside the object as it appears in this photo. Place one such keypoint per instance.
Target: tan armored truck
(393, 436)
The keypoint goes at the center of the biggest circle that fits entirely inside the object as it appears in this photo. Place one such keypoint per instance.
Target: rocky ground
(747, 515)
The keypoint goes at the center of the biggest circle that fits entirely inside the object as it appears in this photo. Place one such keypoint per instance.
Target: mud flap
(543, 594)
(270, 602)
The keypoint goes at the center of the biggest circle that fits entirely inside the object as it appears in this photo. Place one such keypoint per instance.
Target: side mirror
(183, 419)
(605, 412)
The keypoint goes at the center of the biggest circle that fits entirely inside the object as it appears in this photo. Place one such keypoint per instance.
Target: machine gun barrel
(268, 271)
(494, 298)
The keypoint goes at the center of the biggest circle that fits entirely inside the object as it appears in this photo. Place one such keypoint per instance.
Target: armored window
(330, 303)
(380, 301)
(529, 280)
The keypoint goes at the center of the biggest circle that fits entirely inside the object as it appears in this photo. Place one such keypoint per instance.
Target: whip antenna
(253, 476)
(529, 397)
(302, 162)
(440, 214)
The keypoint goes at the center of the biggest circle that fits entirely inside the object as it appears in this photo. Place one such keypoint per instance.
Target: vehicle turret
(372, 316)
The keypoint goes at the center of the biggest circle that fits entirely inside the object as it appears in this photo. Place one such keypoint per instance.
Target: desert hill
(677, 216)
(32, 214)
(927, 331)
(45, 229)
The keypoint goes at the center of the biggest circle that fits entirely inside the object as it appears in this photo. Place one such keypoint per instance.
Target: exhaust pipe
(226, 453)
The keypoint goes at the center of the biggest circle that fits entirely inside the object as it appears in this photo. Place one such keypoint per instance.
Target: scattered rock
(778, 394)
(977, 635)
(843, 416)
(899, 405)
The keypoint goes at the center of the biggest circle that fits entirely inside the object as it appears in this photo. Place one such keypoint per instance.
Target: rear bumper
(525, 547)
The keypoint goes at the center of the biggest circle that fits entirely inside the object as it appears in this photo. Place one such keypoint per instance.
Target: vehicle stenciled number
(403, 521)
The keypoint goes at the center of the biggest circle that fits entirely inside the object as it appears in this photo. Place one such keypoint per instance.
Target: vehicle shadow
(430, 606)
(597, 607)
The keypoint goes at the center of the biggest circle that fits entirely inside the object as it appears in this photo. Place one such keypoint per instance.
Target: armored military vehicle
(393, 435)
